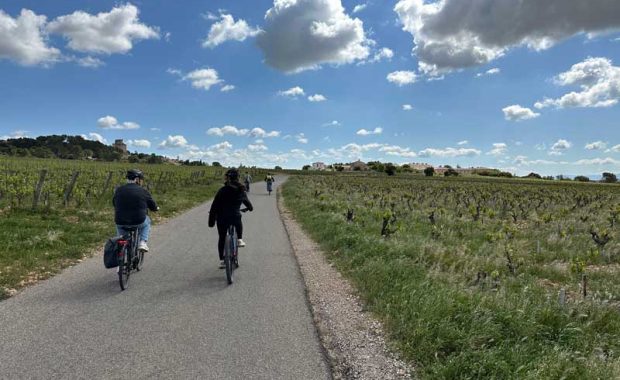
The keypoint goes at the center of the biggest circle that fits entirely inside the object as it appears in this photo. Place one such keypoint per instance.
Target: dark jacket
(130, 204)
(225, 208)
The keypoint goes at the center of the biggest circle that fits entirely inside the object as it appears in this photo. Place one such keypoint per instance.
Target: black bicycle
(231, 251)
(129, 257)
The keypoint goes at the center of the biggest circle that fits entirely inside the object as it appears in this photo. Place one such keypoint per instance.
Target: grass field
(478, 278)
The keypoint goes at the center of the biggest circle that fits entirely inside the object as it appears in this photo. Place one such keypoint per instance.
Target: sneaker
(142, 246)
(240, 243)
(222, 265)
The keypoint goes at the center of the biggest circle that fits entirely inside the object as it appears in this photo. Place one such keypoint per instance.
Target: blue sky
(523, 87)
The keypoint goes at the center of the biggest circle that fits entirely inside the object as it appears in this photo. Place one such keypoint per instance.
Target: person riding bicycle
(225, 210)
(247, 180)
(131, 202)
(270, 180)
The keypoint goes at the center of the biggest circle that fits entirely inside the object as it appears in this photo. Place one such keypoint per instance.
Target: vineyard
(478, 278)
(54, 212)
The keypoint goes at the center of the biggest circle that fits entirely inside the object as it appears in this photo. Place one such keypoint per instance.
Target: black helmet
(134, 173)
(232, 174)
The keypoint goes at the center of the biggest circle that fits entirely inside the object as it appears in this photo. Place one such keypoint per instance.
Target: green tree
(609, 178)
(582, 178)
(429, 172)
(216, 164)
(390, 169)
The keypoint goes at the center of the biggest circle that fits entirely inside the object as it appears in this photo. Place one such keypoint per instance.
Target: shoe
(240, 243)
(142, 246)
(222, 265)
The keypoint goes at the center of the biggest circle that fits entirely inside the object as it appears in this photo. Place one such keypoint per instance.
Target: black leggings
(222, 229)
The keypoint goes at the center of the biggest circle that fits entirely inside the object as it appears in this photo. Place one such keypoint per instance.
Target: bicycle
(231, 251)
(129, 256)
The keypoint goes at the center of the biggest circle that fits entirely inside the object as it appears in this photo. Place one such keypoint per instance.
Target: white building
(319, 166)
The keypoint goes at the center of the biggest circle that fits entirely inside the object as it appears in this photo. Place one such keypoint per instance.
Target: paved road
(178, 319)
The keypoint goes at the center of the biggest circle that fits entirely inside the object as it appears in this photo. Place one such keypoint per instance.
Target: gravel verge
(354, 341)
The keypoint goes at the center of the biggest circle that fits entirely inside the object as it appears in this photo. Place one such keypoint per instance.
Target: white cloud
(493, 71)
(559, 147)
(364, 132)
(227, 130)
(95, 137)
(518, 113)
(139, 143)
(24, 40)
(402, 78)
(461, 143)
(177, 141)
(110, 122)
(454, 34)
(90, 62)
(598, 161)
(449, 152)
(407, 107)
(305, 34)
(227, 88)
(227, 29)
(498, 149)
(257, 147)
(317, 98)
(597, 145)
(225, 145)
(615, 148)
(598, 79)
(261, 133)
(333, 123)
(382, 54)
(395, 150)
(292, 92)
(301, 138)
(203, 78)
(359, 7)
(104, 33)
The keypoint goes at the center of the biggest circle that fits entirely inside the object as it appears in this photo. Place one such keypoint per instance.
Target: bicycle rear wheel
(228, 259)
(124, 268)
(139, 260)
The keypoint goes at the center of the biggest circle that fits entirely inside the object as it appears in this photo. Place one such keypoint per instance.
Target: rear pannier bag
(110, 252)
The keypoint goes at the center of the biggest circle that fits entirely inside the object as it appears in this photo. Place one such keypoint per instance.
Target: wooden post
(38, 188)
(70, 187)
(107, 184)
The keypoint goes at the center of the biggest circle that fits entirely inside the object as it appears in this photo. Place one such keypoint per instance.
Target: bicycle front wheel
(124, 268)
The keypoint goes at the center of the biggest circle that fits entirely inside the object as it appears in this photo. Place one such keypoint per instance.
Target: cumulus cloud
(227, 88)
(449, 152)
(493, 71)
(559, 147)
(364, 132)
(597, 145)
(228, 130)
(95, 137)
(292, 92)
(464, 142)
(305, 34)
(382, 54)
(203, 78)
(317, 98)
(257, 147)
(227, 29)
(139, 143)
(104, 33)
(598, 80)
(24, 40)
(177, 141)
(598, 161)
(499, 149)
(90, 62)
(615, 148)
(110, 122)
(454, 34)
(402, 78)
(333, 123)
(301, 138)
(359, 7)
(261, 133)
(518, 113)
(395, 150)
(407, 107)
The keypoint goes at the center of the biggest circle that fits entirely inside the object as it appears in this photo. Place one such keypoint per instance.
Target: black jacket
(226, 204)
(130, 204)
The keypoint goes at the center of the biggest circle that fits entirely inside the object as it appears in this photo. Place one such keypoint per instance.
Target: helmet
(232, 174)
(134, 173)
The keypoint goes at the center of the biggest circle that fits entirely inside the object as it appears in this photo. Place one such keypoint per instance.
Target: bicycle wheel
(140, 260)
(228, 259)
(124, 268)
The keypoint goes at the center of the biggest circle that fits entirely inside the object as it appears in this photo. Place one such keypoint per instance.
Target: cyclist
(131, 202)
(270, 180)
(247, 180)
(225, 210)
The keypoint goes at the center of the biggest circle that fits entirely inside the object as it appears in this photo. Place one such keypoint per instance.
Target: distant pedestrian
(247, 180)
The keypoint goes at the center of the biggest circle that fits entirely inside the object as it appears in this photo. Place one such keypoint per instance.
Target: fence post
(39, 188)
(107, 184)
(70, 187)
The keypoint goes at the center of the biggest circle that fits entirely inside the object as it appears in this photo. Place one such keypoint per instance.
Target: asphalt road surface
(179, 319)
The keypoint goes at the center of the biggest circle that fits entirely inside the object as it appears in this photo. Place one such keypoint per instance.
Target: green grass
(422, 288)
(38, 244)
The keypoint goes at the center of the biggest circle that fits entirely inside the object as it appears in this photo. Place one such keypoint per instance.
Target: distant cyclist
(247, 180)
(131, 202)
(270, 180)
(225, 210)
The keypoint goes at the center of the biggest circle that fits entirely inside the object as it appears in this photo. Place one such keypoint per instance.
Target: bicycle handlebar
(244, 210)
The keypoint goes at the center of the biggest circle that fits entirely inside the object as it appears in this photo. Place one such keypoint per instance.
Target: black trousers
(222, 229)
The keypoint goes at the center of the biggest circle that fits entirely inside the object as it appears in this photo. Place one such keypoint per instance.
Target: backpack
(110, 252)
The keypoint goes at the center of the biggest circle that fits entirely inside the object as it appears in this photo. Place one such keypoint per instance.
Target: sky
(521, 86)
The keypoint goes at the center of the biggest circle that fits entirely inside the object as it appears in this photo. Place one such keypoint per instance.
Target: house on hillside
(319, 166)
(358, 166)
